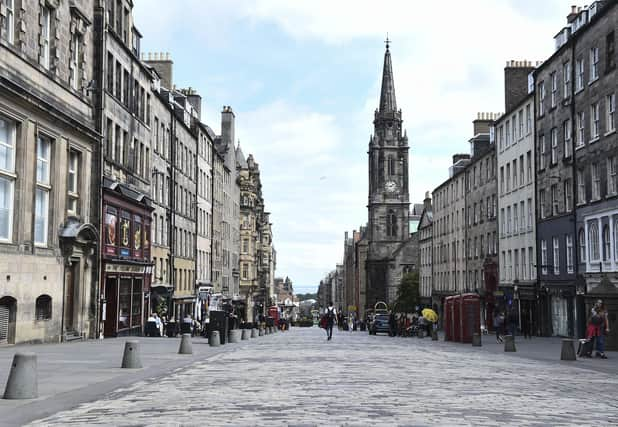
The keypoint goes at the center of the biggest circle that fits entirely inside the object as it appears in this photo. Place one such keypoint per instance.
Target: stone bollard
(262, 332)
(267, 331)
(509, 343)
(185, 345)
(214, 340)
(476, 340)
(246, 333)
(131, 358)
(568, 350)
(233, 336)
(434, 335)
(22, 382)
(254, 333)
(420, 334)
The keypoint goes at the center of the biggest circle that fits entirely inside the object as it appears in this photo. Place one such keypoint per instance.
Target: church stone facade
(388, 202)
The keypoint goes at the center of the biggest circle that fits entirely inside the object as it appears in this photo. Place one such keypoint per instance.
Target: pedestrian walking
(330, 315)
(598, 328)
(498, 323)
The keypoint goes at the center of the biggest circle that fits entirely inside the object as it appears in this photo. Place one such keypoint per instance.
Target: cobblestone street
(298, 378)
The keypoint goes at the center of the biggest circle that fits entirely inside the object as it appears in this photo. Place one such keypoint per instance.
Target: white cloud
(448, 60)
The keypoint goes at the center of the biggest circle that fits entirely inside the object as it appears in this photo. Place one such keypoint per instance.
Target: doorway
(8, 314)
(71, 302)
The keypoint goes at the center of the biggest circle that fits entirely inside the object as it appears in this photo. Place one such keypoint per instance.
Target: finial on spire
(387, 41)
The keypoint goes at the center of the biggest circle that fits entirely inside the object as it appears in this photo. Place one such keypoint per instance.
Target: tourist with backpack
(598, 327)
(329, 320)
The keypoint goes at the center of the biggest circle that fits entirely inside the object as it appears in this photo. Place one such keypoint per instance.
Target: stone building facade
(388, 201)
(47, 228)
(425, 247)
(596, 160)
(229, 206)
(448, 233)
(255, 239)
(574, 144)
(205, 187)
(481, 201)
(123, 102)
(514, 136)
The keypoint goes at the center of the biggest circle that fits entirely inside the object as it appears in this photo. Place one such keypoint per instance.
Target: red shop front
(126, 263)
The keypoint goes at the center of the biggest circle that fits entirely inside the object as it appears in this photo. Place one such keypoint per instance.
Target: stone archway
(8, 316)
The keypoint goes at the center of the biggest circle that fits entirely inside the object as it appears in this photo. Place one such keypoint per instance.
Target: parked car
(379, 324)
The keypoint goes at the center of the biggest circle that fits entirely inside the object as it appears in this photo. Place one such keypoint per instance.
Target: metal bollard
(254, 333)
(22, 382)
(185, 345)
(509, 343)
(131, 358)
(214, 340)
(476, 340)
(568, 350)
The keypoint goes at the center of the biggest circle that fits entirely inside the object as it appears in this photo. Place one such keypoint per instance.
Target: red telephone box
(448, 319)
(470, 316)
(273, 312)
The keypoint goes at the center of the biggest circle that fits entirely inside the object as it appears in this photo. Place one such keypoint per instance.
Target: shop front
(556, 310)
(126, 264)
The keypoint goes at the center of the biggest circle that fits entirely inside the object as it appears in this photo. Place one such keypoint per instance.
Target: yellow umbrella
(430, 315)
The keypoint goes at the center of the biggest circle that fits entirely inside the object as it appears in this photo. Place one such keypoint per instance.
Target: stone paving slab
(71, 373)
(299, 378)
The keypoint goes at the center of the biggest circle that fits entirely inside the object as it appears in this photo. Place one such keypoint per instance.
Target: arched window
(391, 224)
(606, 244)
(581, 238)
(593, 244)
(43, 307)
(391, 165)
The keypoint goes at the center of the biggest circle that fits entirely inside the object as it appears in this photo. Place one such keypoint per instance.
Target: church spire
(387, 94)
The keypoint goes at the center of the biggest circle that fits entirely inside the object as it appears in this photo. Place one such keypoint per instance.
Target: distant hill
(303, 297)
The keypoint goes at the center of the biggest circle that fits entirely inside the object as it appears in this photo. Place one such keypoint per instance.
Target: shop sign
(121, 268)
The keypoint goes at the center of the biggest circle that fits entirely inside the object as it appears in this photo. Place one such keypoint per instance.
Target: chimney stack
(516, 82)
(228, 126)
(163, 65)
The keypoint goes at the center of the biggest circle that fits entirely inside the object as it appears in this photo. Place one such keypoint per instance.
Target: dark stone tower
(389, 202)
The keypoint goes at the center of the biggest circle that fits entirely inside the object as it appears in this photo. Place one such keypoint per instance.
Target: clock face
(390, 186)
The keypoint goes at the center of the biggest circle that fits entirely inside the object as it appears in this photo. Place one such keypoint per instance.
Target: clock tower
(388, 202)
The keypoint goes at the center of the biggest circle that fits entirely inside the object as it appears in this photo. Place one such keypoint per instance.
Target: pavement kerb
(44, 406)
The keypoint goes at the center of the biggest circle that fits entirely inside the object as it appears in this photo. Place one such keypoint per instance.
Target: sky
(303, 78)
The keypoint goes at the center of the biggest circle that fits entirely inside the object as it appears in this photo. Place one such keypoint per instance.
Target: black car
(379, 324)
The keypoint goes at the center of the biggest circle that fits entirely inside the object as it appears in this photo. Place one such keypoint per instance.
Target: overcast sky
(303, 78)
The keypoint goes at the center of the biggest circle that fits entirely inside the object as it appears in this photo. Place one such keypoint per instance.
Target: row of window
(515, 128)
(518, 178)
(599, 187)
(514, 265)
(43, 185)
(47, 39)
(184, 243)
(133, 155)
(580, 120)
(480, 246)
(580, 67)
(601, 234)
(517, 219)
(203, 265)
(477, 213)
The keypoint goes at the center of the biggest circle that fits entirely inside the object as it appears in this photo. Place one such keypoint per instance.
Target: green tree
(408, 293)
